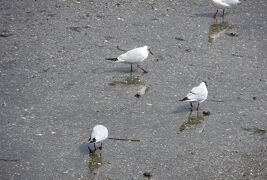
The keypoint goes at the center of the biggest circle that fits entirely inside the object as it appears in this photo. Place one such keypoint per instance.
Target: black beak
(150, 52)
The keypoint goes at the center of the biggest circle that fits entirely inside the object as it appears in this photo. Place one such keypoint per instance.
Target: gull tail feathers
(112, 59)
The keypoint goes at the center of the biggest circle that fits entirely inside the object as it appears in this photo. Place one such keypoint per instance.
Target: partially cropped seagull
(99, 133)
(222, 4)
(134, 56)
(199, 94)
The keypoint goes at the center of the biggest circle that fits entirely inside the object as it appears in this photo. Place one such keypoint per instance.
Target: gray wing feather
(196, 93)
(131, 56)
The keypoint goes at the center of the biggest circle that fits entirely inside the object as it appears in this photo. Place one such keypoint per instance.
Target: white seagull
(99, 133)
(134, 56)
(199, 94)
(222, 4)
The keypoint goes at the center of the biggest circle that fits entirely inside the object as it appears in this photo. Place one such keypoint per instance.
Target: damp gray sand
(55, 85)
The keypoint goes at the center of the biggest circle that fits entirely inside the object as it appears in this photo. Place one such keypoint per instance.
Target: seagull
(99, 133)
(222, 4)
(133, 56)
(199, 94)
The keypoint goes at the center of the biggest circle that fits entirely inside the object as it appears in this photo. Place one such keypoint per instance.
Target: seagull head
(92, 140)
(149, 50)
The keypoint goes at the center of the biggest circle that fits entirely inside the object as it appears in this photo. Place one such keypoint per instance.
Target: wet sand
(55, 85)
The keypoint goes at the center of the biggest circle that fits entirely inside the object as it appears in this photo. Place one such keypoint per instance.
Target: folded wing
(132, 56)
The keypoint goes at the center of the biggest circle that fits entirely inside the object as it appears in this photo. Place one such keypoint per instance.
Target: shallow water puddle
(95, 162)
(129, 81)
(137, 85)
(193, 122)
(217, 29)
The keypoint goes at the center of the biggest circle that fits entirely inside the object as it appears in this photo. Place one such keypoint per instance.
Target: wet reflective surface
(128, 81)
(219, 28)
(194, 120)
(54, 87)
(134, 83)
(95, 161)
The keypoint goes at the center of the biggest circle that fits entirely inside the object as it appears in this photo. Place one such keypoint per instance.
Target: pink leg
(145, 71)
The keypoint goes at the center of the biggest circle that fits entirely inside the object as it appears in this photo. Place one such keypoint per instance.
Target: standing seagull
(99, 133)
(222, 4)
(133, 56)
(199, 94)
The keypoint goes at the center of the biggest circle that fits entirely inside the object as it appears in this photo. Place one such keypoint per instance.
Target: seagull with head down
(99, 133)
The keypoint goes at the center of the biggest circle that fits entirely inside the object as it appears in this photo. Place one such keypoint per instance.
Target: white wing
(197, 94)
(133, 56)
(230, 2)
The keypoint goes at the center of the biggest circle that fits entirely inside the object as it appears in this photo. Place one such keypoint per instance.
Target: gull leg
(95, 146)
(145, 71)
(198, 107)
(100, 147)
(131, 67)
(215, 14)
(191, 106)
(223, 13)
(90, 151)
